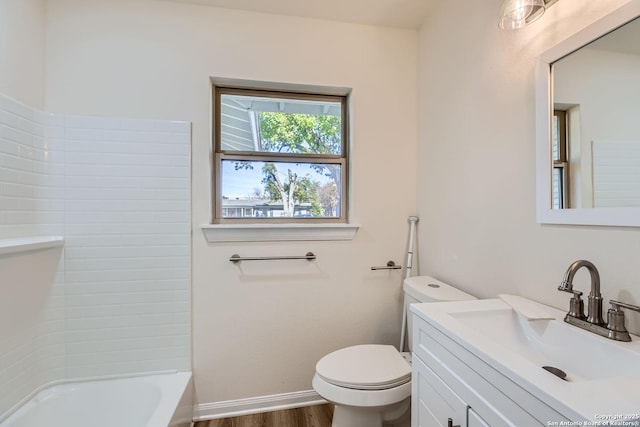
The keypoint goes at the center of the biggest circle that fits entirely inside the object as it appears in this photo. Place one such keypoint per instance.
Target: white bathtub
(147, 401)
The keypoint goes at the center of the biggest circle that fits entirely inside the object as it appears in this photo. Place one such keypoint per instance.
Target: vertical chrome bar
(407, 273)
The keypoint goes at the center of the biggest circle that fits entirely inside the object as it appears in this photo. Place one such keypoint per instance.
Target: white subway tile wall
(31, 174)
(32, 340)
(127, 248)
(118, 190)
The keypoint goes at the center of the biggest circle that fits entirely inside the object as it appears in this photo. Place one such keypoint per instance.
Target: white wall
(22, 50)
(476, 181)
(259, 330)
(608, 108)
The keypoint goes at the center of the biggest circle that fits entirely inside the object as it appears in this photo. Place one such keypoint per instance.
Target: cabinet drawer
(433, 401)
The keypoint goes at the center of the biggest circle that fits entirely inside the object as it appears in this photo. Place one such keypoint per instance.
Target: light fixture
(516, 14)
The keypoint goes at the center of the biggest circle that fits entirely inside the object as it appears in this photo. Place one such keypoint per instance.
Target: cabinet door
(433, 402)
(498, 400)
(475, 420)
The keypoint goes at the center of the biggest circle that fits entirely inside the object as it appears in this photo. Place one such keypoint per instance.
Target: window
(279, 156)
(559, 152)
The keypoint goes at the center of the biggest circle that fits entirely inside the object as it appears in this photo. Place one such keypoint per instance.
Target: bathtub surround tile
(32, 348)
(128, 238)
(118, 190)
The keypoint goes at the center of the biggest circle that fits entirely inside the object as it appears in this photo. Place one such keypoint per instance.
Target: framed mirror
(588, 124)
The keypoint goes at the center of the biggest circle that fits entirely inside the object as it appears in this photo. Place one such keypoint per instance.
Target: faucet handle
(615, 320)
(576, 305)
(616, 305)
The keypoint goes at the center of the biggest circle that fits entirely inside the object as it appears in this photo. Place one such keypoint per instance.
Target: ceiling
(388, 13)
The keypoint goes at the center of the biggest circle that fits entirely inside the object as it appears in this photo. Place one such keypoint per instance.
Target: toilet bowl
(370, 385)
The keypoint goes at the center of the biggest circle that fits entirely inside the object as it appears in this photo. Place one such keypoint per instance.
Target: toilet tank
(419, 289)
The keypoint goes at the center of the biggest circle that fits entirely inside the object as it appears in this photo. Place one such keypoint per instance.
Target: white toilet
(370, 385)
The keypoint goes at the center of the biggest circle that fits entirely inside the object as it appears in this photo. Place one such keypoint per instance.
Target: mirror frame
(629, 217)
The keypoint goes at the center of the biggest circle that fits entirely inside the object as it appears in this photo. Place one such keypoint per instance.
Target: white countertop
(612, 391)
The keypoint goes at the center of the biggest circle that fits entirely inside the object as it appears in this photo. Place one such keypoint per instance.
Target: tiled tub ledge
(215, 233)
(25, 244)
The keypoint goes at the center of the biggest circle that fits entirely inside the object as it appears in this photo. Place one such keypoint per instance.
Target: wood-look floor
(310, 416)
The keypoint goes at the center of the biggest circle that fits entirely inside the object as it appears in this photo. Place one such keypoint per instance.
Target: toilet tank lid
(429, 289)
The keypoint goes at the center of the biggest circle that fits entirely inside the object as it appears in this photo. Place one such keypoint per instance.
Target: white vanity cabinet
(451, 382)
(435, 402)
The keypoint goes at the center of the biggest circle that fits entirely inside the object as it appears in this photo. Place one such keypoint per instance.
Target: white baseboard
(255, 405)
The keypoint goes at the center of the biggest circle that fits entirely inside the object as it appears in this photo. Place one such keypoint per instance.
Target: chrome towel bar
(390, 266)
(310, 256)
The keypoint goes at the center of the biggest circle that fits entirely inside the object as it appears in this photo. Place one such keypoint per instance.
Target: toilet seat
(365, 367)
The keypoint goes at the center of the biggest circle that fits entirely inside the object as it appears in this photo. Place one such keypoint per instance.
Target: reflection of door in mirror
(596, 125)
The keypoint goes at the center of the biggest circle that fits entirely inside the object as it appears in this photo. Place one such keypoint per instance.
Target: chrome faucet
(614, 327)
(594, 315)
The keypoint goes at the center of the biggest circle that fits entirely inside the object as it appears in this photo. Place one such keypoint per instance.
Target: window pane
(557, 194)
(280, 125)
(555, 138)
(277, 189)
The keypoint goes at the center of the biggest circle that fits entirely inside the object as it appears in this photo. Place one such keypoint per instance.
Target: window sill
(215, 233)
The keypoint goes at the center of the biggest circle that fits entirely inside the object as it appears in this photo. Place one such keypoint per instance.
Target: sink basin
(580, 354)
(602, 375)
